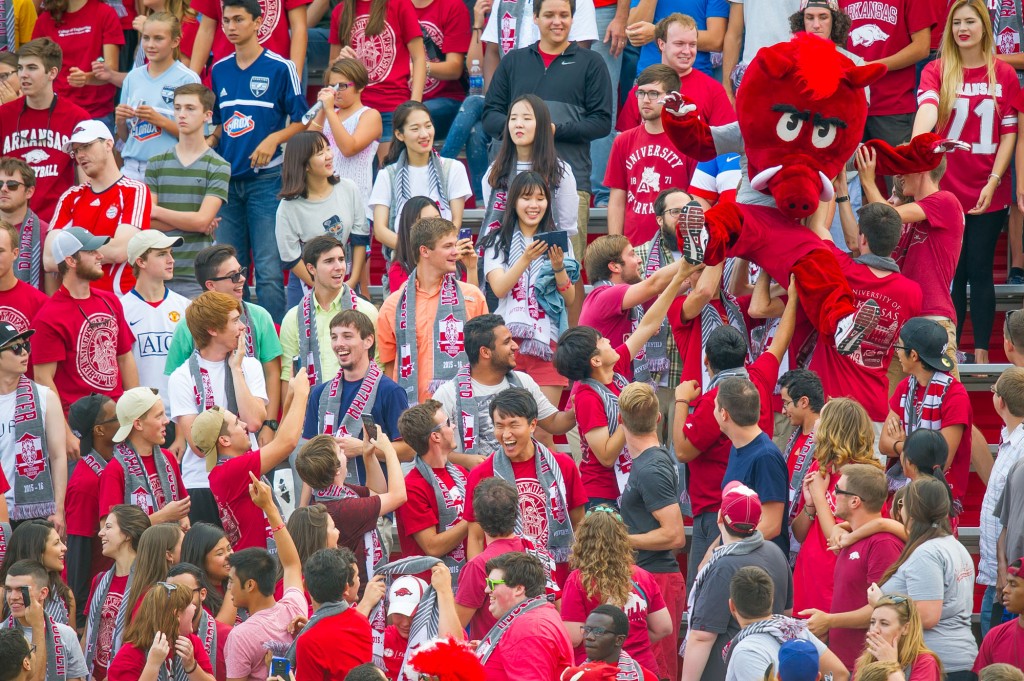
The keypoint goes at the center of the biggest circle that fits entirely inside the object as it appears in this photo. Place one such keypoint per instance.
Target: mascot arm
(690, 135)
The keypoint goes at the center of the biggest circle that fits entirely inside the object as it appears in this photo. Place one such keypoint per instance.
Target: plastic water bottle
(476, 78)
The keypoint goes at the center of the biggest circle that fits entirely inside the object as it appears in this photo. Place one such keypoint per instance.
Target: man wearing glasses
(18, 659)
(604, 634)
(84, 344)
(31, 436)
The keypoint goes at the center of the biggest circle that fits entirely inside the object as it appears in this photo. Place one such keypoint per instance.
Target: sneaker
(1016, 277)
(692, 233)
(852, 329)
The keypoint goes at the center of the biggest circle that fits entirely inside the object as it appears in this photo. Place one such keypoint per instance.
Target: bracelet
(809, 514)
(478, 28)
(557, 271)
(563, 289)
(999, 179)
(428, 69)
(682, 400)
(194, 666)
(842, 199)
(277, 529)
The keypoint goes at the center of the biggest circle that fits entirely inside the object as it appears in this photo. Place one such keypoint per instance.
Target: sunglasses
(845, 492)
(11, 185)
(493, 584)
(235, 277)
(446, 424)
(22, 348)
(167, 585)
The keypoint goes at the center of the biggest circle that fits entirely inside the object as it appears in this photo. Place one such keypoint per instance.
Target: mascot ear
(775, 63)
(862, 76)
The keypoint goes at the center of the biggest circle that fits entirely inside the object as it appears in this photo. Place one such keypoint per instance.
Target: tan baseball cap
(150, 238)
(206, 430)
(132, 405)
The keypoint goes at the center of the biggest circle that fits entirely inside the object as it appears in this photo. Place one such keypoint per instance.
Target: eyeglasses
(897, 600)
(652, 95)
(80, 148)
(235, 277)
(845, 492)
(22, 348)
(674, 212)
(11, 185)
(341, 87)
(596, 631)
(493, 584)
(447, 424)
(992, 389)
(103, 423)
(7, 74)
(900, 347)
(786, 404)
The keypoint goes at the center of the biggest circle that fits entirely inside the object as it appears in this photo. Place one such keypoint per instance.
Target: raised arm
(261, 495)
(657, 313)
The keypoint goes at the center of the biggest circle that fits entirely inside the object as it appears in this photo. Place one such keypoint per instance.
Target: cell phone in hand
(465, 233)
(26, 597)
(280, 667)
(297, 364)
(559, 238)
(369, 427)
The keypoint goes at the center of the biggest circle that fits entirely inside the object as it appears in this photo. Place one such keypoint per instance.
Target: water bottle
(476, 79)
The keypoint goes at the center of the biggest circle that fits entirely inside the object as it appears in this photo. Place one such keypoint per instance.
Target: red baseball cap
(741, 509)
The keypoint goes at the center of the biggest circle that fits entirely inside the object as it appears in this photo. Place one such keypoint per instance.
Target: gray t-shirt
(76, 668)
(342, 215)
(942, 570)
(653, 484)
(1010, 510)
(765, 22)
(711, 603)
(749, 658)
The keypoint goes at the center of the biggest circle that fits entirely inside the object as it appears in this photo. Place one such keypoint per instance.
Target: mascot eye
(789, 126)
(824, 135)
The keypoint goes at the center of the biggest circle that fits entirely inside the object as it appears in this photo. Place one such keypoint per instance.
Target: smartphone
(297, 362)
(280, 667)
(26, 598)
(465, 233)
(560, 239)
(369, 427)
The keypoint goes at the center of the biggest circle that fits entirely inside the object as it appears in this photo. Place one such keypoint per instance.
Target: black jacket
(576, 88)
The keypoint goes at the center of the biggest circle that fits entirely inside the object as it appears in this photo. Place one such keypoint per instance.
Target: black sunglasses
(11, 185)
(235, 277)
(840, 490)
(24, 347)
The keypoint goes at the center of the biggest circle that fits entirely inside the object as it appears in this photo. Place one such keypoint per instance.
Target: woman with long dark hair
(38, 540)
(895, 635)
(315, 201)
(938, 573)
(515, 261)
(415, 209)
(159, 549)
(207, 547)
(529, 144)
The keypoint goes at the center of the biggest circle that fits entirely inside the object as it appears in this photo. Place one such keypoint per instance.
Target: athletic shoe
(1016, 277)
(692, 233)
(852, 329)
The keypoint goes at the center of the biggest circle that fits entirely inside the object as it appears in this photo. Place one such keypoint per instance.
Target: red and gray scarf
(927, 413)
(329, 406)
(309, 341)
(33, 486)
(202, 385)
(138, 488)
(472, 414)
(490, 642)
(30, 253)
(610, 401)
(450, 509)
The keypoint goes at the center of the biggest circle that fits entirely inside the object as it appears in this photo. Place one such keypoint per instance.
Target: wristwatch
(270, 423)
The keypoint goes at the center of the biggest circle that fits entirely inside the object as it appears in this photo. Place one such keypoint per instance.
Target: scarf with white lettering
(448, 338)
(309, 341)
(252, 347)
(779, 627)
(398, 173)
(652, 360)
(33, 485)
(710, 319)
(927, 413)
(450, 508)
(92, 627)
(510, 14)
(30, 251)
(95, 462)
(737, 548)
(202, 385)
(629, 670)
(5, 535)
(56, 654)
(493, 638)
(329, 406)
(804, 459)
(524, 316)
(472, 414)
(138, 488)
(373, 544)
(328, 609)
(425, 621)
(207, 633)
(610, 401)
(549, 476)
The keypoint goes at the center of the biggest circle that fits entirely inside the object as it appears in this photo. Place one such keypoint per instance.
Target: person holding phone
(519, 266)
(419, 208)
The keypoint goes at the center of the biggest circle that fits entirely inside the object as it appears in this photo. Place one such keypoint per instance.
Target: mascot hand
(678, 104)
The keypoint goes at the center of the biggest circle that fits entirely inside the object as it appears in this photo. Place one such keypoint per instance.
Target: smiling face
(350, 349)
(321, 163)
(531, 207)
(554, 20)
(217, 561)
(522, 124)
(111, 537)
(224, 283)
(515, 433)
(54, 553)
(417, 133)
(157, 42)
(15, 598)
(679, 49)
(503, 356)
(444, 256)
(502, 597)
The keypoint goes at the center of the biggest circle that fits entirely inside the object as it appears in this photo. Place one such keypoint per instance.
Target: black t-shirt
(653, 484)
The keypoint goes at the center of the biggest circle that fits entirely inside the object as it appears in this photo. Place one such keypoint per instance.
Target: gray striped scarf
(138, 488)
(30, 252)
(56, 655)
(203, 386)
(328, 609)
(524, 316)
(710, 320)
(610, 401)
(490, 642)
(549, 476)
(309, 341)
(92, 628)
(33, 486)
(510, 15)
(207, 633)
(803, 464)
(9, 36)
(329, 406)
(398, 173)
(426, 619)
(652, 360)
(450, 508)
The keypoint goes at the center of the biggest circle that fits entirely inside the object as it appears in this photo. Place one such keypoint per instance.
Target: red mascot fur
(801, 111)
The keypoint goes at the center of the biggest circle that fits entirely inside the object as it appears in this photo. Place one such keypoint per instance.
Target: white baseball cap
(87, 131)
(150, 238)
(405, 594)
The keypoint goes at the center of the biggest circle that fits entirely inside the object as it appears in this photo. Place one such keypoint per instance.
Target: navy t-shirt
(761, 467)
(390, 403)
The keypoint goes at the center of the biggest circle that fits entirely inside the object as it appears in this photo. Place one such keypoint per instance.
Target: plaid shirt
(675, 371)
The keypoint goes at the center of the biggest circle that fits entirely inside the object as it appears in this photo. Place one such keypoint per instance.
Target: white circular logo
(377, 52)
(96, 352)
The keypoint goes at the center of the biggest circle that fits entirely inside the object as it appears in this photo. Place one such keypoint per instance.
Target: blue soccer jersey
(253, 103)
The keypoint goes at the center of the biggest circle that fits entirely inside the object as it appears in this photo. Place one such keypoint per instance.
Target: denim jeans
(442, 111)
(705, 532)
(630, 58)
(601, 149)
(248, 221)
(467, 131)
(318, 50)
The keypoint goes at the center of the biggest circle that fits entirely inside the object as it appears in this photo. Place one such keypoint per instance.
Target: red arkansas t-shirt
(394, 652)
(447, 23)
(273, 33)
(979, 118)
(419, 512)
(333, 647)
(244, 523)
(864, 374)
(598, 481)
(85, 337)
(880, 29)
(602, 310)
(127, 201)
(713, 104)
(81, 36)
(112, 490)
(929, 250)
(386, 55)
(642, 164)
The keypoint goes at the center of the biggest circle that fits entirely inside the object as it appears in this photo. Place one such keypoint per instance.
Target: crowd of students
(200, 486)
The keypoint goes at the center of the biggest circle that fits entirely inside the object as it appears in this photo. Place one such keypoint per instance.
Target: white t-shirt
(183, 403)
(420, 185)
(153, 328)
(75, 660)
(497, 262)
(7, 403)
(751, 656)
(584, 25)
(567, 201)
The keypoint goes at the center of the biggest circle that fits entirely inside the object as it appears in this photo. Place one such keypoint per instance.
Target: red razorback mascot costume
(801, 110)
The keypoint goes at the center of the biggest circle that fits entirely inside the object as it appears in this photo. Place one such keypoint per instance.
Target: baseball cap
(9, 334)
(929, 339)
(85, 132)
(147, 239)
(82, 417)
(1016, 568)
(819, 4)
(405, 594)
(741, 508)
(798, 661)
(71, 240)
(205, 431)
(132, 405)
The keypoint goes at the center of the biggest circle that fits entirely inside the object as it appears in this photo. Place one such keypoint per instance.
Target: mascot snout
(796, 188)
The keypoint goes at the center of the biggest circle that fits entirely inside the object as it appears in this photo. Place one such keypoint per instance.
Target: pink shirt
(929, 250)
(598, 480)
(536, 647)
(471, 584)
(248, 642)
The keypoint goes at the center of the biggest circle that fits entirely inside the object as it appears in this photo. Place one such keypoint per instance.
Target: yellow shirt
(290, 335)
(24, 21)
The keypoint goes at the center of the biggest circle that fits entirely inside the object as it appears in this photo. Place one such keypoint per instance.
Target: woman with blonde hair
(843, 435)
(604, 571)
(895, 636)
(967, 94)
(159, 644)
